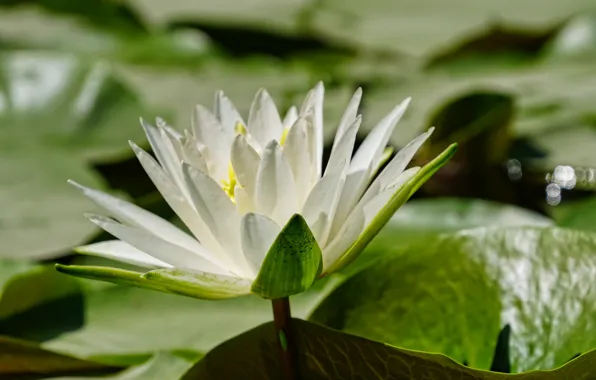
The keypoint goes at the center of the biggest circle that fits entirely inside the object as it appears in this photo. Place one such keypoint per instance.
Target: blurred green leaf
(580, 214)
(421, 28)
(576, 39)
(33, 291)
(22, 360)
(163, 366)
(57, 112)
(107, 14)
(454, 292)
(34, 28)
(325, 354)
(279, 16)
(126, 321)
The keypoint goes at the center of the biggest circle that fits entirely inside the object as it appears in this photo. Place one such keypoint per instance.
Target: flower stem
(282, 317)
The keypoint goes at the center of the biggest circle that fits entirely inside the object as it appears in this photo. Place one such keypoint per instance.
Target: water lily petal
(257, 234)
(244, 202)
(245, 161)
(296, 152)
(226, 113)
(191, 153)
(275, 189)
(312, 110)
(121, 251)
(397, 165)
(290, 118)
(371, 150)
(219, 214)
(321, 203)
(264, 123)
(401, 193)
(168, 252)
(176, 200)
(349, 116)
(341, 153)
(214, 142)
(133, 215)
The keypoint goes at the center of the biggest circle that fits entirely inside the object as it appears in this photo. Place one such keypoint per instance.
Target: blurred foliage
(512, 82)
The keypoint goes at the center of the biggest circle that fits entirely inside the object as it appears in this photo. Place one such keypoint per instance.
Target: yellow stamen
(229, 185)
(284, 136)
(239, 128)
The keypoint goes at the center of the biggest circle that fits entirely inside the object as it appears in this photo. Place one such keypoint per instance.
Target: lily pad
(453, 294)
(19, 359)
(121, 321)
(163, 366)
(423, 27)
(57, 113)
(325, 354)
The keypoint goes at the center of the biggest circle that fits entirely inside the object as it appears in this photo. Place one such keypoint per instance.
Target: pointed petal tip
(61, 268)
(75, 184)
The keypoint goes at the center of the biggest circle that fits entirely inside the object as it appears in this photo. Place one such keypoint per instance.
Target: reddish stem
(282, 317)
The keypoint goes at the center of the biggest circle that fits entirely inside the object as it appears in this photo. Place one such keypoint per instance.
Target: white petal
(372, 207)
(275, 190)
(173, 152)
(349, 116)
(341, 152)
(214, 142)
(163, 150)
(176, 200)
(245, 161)
(218, 212)
(258, 233)
(397, 165)
(371, 150)
(312, 109)
(154, 137)
(360, 218)
(296, 152)
(244, 202)
(291, 117)
(160, 249)
(264, 123)
(353, 188)
(191, 153)
(161, 123)
(120, 251)
(130, 214)
(226, 113)
(347, 235)
(322, 200)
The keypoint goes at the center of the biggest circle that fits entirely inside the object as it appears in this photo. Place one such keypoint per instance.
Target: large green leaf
(282, 17)
(19, 359)
(325, 354)
(132, 322)
(424, 27)
(579, 214)
(58, 112)
(33, 28)
(453, 293)
(27, 292)
(163, 366)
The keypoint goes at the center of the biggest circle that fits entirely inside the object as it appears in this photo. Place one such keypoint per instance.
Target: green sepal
(397, 200)
(292, 264)
(199, 284)
(163, 280)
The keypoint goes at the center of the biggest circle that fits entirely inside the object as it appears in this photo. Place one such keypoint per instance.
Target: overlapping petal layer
(236, 185)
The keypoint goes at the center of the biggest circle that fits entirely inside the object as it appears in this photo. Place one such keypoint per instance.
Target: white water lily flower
(236, 184)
